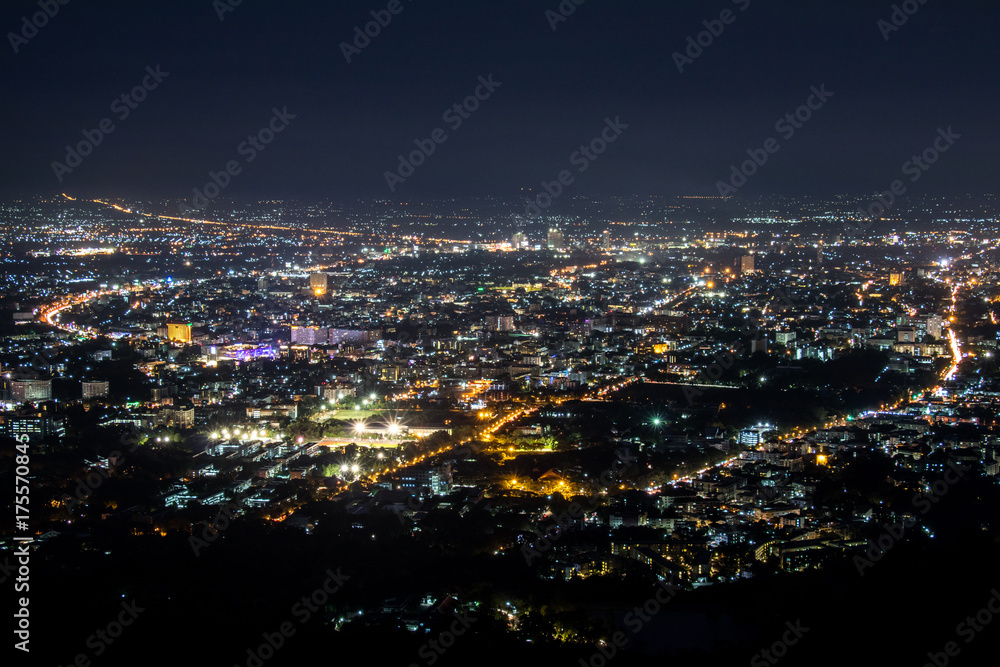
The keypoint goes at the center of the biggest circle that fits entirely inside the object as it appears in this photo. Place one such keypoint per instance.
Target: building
(784, 337)
(519, 240)
(179, 418)
(746, 264)
(925, 325)
(179, 331)
(499, 322)
(94, 389)
(362, 336)
(25, 391)
(753, 436)
(291, 411)
(606, 240)
(319, 283)
(896, 278)
(310, 335)
(36, 425)
(555, 239)
(422, 479)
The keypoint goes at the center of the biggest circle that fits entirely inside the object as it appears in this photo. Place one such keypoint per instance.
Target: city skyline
(561, 332)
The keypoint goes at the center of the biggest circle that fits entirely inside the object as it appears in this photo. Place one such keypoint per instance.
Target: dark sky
(610, 58)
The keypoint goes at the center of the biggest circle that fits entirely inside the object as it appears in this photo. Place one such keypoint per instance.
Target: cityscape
(515, 389)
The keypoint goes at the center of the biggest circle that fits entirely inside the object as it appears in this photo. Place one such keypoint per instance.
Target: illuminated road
(956, 353)
(956, 348)
(485, 433)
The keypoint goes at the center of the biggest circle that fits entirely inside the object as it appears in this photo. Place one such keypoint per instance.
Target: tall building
(897, 278)
(311, 335)
(23, 391)
(95, 389)
(746, 264)
(555, 239)
(606, 239)
(426, 479)
(179, 331)
(319, 283)
(519, 240)
(500, 322)
(262, 284)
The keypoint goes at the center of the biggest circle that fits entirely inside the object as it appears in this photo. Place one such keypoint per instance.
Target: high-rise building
(555, 239)
(22, 391)
(897, 278)
(426, 479)
(519, 240)
(500, 322)
(319, 283)
(746, 264)
(179, 331)
(262, 284)
(606, 239)
(94, 389)
(311, 335)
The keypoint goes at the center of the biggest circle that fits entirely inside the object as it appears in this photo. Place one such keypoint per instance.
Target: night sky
(606, 60)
